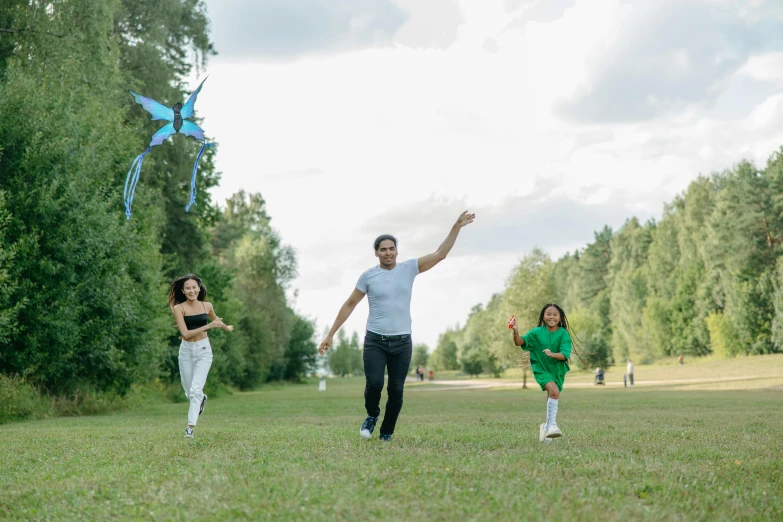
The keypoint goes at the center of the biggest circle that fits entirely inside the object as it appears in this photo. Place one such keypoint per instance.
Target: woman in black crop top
(194, 317)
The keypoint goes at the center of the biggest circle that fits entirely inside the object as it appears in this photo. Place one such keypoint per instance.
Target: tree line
(82, 289)
(704, 279)
(344, 358)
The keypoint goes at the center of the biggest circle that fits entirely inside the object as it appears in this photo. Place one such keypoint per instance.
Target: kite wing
(189, 109)
(163, 134)
(191, 129)
(158, 110)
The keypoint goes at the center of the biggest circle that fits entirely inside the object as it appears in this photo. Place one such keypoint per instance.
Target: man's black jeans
(382, 352)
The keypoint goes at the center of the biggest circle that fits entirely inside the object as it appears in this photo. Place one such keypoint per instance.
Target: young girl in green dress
(550, 348)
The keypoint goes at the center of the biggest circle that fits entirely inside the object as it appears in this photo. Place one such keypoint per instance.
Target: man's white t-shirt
(389, 294)
(629, 368)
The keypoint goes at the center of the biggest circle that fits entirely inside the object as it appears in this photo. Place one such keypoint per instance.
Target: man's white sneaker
(542, 434)
(553, 432)
(188, 433)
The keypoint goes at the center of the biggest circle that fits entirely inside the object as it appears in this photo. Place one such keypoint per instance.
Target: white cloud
(400, 139)
(766, 67)
(430, 24)
(662, 56)
(283, 30)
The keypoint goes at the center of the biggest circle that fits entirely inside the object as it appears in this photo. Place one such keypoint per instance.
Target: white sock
(551, 412)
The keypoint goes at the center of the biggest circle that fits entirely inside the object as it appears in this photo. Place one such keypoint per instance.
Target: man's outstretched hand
(325, 344)
(465, 219)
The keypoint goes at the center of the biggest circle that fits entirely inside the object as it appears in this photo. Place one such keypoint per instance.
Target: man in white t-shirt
(629, 371)
(387, 343)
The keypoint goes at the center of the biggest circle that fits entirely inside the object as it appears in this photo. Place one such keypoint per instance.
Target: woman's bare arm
(213, 316)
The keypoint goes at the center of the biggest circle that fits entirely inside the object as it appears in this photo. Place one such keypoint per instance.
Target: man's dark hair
(383, 238)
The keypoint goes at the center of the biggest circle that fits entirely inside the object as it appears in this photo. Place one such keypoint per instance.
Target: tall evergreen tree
(628, 287)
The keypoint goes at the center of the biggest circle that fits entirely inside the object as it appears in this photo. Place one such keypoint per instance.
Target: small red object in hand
(510, 321)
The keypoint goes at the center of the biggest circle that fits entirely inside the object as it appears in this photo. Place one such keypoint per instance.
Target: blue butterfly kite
(178, 118)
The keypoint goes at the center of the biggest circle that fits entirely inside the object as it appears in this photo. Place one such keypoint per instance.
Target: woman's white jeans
(195, 359)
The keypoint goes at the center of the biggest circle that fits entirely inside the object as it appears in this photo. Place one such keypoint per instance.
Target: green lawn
(765, 371)
(292, 453)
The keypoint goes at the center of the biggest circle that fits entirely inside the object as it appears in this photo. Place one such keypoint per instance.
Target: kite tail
(193, 178)
(132, 180)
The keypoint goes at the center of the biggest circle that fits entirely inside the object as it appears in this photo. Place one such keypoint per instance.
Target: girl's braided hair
(576, 342)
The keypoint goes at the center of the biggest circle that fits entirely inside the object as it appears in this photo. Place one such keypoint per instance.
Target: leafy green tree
(345, 356)
(421, 356)
(594, 292)
(492, 364)
(255, 270)
(566, 280)
(628, 291)
(746, 229)
(357, 361)
(9, 310)
(89, 291)
(300, 355)
(13, 31)
(267, 322)
(723, 339)
(472, 361)
(594, 268)
(777, 323)
(445, 355)
(662, 266)
(158, 42)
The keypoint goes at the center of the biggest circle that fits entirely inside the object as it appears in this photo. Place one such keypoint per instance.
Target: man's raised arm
(428, 261)
(342, 316)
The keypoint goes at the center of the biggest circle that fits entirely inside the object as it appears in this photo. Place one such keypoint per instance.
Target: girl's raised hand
(512, 323)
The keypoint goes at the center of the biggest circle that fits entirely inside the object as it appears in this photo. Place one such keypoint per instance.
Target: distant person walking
(629, 371)
(387, 343)
(193, 315)
(681, 359)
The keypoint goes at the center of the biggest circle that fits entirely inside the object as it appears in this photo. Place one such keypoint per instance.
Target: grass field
(292, 453)
(742, 373)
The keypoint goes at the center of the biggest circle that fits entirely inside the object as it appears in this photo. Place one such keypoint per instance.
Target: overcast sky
(547, 118)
